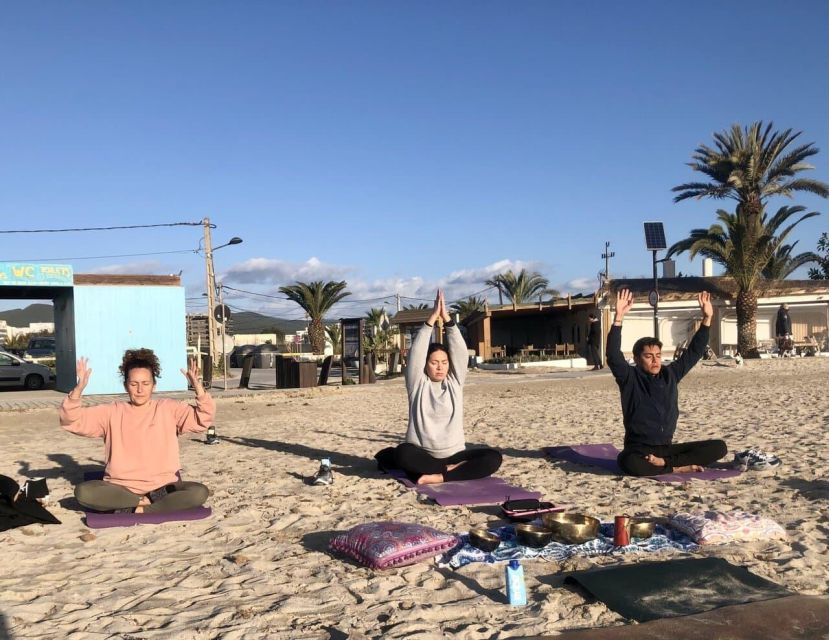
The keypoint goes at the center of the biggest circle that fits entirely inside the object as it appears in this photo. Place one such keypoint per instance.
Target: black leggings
(703, 452)
(477, 463)
(99, 495)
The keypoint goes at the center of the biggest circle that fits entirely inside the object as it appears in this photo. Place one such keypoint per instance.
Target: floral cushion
(381, 545)
(716, 527)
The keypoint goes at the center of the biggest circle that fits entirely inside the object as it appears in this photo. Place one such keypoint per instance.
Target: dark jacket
(650, 403)
(783, 326)
(593, 338)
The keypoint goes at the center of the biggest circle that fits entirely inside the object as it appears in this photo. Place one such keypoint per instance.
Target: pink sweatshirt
(141, 443)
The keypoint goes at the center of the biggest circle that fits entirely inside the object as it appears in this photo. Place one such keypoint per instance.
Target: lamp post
(211, 285)
(655, 241)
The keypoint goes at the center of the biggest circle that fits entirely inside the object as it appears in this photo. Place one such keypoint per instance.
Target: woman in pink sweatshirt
(140, 439)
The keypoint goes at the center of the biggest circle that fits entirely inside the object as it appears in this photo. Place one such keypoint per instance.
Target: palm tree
(468, 306)
(334, 333)
(316, 298)
(519, 288)
(416, 307)
(744, 250)
(375, 317)
(783, 263)
(497, 281)
(749, 165)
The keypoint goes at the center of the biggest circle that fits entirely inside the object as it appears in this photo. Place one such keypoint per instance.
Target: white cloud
(280, 272)
(583, 284)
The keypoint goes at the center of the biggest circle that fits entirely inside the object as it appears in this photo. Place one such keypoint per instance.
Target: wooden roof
(411, 316)
(719, 286)
(126, 280)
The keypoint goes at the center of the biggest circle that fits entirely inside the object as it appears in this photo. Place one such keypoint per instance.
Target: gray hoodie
(436, 408)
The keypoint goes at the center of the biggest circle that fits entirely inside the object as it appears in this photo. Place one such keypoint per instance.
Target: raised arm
(90, 421)
(696, 349)
(615, 358)
(195, 419)
(458, 351)
(416, 360)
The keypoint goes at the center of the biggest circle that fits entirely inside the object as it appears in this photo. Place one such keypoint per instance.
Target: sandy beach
(259, 567)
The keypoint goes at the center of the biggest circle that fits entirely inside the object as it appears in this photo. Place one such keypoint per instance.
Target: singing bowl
(483, 539)
(531, 535)
(641, 528)
(571, 528)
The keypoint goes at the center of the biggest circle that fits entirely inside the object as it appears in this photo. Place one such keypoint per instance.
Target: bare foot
(688, 468)
(430, 478)
(144, 501)
(656, 461)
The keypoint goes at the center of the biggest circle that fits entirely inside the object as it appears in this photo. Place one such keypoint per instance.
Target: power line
(122, 255)
(133, 226)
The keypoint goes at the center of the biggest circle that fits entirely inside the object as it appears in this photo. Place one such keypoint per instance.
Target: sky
(399, 146)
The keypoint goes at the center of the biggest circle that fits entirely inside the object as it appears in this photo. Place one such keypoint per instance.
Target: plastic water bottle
(516, 590)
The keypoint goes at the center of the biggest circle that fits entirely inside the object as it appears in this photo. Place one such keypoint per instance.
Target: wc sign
(26, 274)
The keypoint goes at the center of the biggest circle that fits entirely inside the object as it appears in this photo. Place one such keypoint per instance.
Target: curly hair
(139, 359)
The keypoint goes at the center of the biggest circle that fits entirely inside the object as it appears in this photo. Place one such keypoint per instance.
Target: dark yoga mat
(651, 590)
(95, 520)
(491, 490)
(104, 520)
(604, 455)
(791, 618)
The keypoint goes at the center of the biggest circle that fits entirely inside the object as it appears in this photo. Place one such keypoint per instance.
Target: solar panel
(655, 236)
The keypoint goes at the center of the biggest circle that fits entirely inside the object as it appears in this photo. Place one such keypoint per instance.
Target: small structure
(553, 328)
(100, 316)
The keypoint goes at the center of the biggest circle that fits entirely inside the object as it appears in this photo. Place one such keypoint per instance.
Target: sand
(259, 567)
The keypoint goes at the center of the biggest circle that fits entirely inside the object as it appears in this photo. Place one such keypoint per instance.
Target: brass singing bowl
(531, 535)
(571, 528)
(641, 528)
(483, 539)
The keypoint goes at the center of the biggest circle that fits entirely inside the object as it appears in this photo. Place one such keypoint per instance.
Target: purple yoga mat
(104, 520)
(604, 455)
(96, 520)
(491, 490)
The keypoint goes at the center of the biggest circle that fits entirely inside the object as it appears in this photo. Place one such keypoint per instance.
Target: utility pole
(224, 333)
(607, 255)
(397, 295)
(211, 294)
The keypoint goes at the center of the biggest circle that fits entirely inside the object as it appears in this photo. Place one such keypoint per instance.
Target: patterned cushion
(716, 527)
(381, 545)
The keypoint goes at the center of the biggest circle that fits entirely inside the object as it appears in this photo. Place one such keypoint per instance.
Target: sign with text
(26, 274)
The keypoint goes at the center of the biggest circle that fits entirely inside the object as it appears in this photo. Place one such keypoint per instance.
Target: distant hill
(24, 317)
(252, 322)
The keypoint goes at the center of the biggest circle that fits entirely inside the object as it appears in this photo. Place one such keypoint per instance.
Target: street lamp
(655, 241)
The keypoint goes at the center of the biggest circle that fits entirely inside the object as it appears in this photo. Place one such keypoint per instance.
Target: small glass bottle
(516, 589)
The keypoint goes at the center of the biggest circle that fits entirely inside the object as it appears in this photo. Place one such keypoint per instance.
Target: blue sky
(399, 146)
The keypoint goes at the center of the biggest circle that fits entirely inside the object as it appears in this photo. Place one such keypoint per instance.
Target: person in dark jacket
(783, 330)
(593, 341)
(650, 406)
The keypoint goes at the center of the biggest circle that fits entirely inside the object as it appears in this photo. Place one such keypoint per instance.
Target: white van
(16, 372)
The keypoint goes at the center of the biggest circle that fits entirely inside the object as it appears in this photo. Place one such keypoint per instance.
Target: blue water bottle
(516, 590)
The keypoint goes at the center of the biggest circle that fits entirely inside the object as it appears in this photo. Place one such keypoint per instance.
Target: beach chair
(560, 350)
(571, 349)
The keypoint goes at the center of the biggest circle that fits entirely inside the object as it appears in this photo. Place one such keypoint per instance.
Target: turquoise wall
(111, 319)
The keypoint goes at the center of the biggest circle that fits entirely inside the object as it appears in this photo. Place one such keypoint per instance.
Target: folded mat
(95, 520)
(652, 590)
(789, 618)
(491, 490)
(604, 455)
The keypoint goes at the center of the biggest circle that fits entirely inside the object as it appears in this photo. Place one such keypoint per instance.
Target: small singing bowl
(641, 528)
(571, 528)
(483, 539)
(531, 535)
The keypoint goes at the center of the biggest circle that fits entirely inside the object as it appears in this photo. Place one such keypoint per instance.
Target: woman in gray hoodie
(435, 450)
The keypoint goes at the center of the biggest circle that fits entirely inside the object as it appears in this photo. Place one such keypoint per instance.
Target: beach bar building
(100, 316)
(679, 313)
(550, 327)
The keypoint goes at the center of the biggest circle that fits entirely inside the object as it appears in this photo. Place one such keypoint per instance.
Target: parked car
(40, 347)
(16, 372)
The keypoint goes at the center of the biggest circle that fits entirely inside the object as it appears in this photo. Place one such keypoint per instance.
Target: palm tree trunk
(747, 324)
(316, 333)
